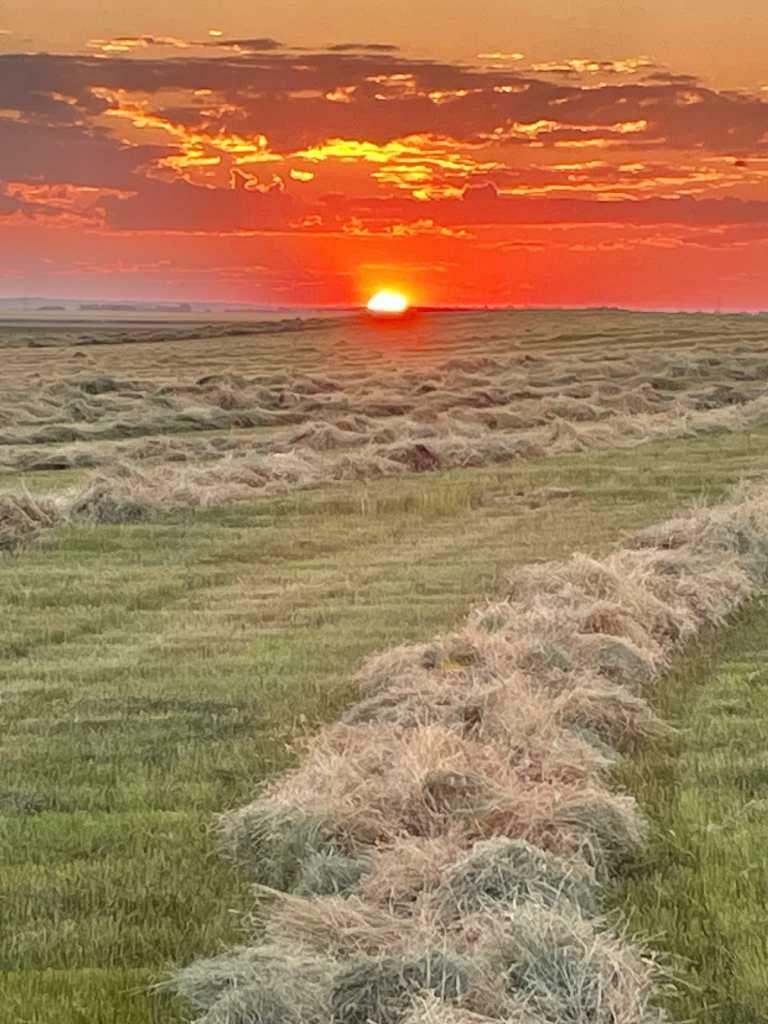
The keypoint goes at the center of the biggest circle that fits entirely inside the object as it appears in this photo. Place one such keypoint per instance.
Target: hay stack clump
(257, 985)
(503, 872)
(23, 517)
(383, 988)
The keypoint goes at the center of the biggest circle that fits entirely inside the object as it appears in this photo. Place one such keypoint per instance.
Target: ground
(155, 673)
(701, 891)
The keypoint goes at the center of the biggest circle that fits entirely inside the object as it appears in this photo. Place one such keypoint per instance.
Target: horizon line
(188, 306)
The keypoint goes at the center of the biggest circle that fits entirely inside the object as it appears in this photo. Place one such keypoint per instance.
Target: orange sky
(504, 153)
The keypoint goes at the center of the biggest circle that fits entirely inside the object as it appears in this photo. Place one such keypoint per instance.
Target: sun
(388, 301)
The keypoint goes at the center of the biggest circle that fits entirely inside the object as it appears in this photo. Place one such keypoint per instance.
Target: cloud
(261, 44)
(73, 154)
(581, 66)
(8, 205)
(300, 99)
(499, 55)
(669, 77)
(254, 135)
(158, 206)
(263, 207)
(485, 205)
(125, 44)
(370, 47)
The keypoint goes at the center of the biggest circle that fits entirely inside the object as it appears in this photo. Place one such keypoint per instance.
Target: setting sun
(387, 301)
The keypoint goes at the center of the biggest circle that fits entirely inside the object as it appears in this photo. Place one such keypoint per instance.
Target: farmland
(235, 521)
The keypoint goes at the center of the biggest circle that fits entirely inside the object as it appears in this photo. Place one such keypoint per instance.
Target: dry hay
(257, 985)
(102, 502)
(323, 437)
(383, 988)
(429, 1009)
(440, 852)
(504, 872)
(371, 785)
(362, 423)
(345, 927)
(574, 410)
(401, 871)
(23, 517)
(274, 844)
(567, 970)
(528, 963)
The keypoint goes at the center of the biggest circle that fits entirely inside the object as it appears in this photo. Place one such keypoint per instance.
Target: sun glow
(388, 301)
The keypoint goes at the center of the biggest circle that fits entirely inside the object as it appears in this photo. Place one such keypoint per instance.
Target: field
(217, 526)
(702, 890)
(202, 417)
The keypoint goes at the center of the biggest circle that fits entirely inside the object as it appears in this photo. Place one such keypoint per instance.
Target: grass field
(702, 890)
(154, 674)
(217, 418)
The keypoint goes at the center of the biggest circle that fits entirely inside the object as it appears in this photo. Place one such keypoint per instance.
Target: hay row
(437, 857)
(128, 491)
(519, 390)
(323, 454)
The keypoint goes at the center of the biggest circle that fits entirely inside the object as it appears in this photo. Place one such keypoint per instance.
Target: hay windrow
(443, 847)
(160, 445)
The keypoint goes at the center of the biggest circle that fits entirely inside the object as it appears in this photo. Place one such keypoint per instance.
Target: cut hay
(406, 868)
(430, 1009)
(280, 847)
(256, 985)
(444, 846)
(100, 502)
(328, 873)
(347, 927)
(22, 519)
(500, 873)
(567, 972)
(374, 785)
(349, 442)
(383, 988)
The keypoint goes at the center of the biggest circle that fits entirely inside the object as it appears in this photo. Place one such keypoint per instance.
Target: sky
(301, 153)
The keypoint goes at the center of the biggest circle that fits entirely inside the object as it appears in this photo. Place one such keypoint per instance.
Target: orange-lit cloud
(328, 160)
(125, 44)
(582, 66)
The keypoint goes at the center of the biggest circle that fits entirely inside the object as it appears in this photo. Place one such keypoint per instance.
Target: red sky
(501, 153)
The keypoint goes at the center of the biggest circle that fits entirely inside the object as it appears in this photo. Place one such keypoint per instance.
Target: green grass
(702, 890)
(43, 481)
(154, 674)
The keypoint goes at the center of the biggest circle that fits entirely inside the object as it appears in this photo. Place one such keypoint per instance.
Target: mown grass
(43, 481)
(153, 674)
(702, 889)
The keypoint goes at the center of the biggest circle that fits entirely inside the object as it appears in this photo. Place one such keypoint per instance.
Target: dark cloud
(283, 94)
(371, 47)
(57, 132)
(255, 45)
(8, 205)
(484, 205)
(183, 207)
(236, 76)
(70, 153)
(159, 206)
(671, 78)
